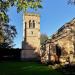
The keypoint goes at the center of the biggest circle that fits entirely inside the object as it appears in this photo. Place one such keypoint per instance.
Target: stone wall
(28, 54)
(65, 38)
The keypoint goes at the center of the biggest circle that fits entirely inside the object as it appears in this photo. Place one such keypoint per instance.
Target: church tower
(31, 34)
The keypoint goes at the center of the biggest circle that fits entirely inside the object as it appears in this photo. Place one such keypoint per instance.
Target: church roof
(72, 22)
(67, 24)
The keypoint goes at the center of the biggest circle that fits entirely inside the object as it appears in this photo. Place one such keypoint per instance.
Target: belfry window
(30, 24)
(33, 24)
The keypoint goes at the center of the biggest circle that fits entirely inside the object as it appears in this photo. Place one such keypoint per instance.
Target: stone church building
(64, 38)
(31, 36)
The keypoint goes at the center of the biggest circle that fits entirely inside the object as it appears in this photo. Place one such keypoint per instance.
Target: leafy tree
(20, 4)
(71, 2)
(43, 38)
(8, 32)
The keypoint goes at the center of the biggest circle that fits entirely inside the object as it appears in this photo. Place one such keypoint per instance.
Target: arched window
(33, 24)
(30, 24)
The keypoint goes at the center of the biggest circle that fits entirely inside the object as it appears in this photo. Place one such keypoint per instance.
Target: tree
(8, 32)
(43, 38)
(20, 4)
(71, 2)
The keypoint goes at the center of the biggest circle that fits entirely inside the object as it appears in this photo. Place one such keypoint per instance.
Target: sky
(53, 15)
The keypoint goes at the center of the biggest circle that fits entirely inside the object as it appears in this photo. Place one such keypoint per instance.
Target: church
(64, 39)
(31, 48)
(31, 36)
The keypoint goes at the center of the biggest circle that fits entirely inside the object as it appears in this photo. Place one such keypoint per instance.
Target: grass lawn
(25, 68)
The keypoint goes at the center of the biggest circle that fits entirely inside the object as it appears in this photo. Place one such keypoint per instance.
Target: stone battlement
(32, 14)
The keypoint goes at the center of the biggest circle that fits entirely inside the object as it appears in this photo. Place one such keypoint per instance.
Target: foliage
(71, 2)
(9, 53)
(7, 31)
(20, 4)
(4, 45)
(68, 69)
(43, 38)
(25, 4)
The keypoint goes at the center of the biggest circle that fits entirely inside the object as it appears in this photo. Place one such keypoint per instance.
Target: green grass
(25, 68)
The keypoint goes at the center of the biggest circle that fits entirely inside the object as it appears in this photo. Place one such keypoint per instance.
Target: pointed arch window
(33, 23)
(30, 24)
